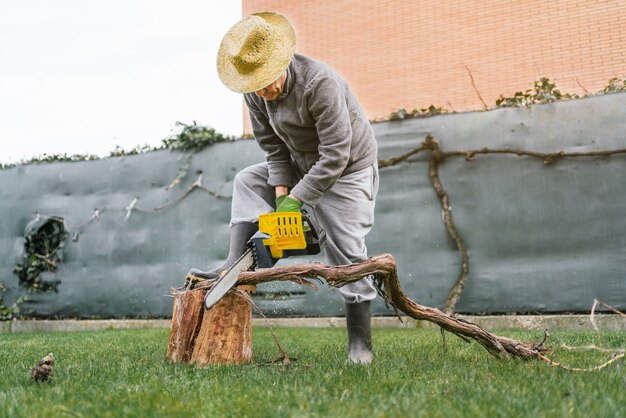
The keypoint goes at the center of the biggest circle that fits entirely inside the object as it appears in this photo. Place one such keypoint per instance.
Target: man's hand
(288, 204)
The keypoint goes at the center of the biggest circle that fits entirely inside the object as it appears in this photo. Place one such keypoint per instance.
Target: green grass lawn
(120, 373)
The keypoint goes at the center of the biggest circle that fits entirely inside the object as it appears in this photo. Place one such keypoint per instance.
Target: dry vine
(616, 353)
(437, 157)
(196, 185)
(485, 107)
(455, 293)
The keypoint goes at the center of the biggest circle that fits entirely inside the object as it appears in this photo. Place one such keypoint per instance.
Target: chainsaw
(280, 235)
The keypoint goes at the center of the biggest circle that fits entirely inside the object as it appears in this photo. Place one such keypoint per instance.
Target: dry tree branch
(383, 268)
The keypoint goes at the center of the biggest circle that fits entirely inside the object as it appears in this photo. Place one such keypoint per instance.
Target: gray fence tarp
(540, 238)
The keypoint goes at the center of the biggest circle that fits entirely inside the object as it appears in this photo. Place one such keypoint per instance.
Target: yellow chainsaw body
(285, 230)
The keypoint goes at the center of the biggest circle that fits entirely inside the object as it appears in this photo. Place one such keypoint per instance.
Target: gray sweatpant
(345, 212)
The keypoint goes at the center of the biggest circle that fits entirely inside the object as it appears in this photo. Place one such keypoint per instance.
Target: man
(320, 151)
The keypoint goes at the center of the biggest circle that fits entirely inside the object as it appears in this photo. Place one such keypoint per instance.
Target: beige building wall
(411, 54)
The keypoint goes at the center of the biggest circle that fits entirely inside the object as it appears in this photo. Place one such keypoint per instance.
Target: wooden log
(220, 335)
(226, 333)
(186, 322)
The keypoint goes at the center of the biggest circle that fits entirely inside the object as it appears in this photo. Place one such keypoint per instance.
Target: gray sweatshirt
(315, 130)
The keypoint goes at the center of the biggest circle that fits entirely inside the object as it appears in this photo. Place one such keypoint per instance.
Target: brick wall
(412, 54)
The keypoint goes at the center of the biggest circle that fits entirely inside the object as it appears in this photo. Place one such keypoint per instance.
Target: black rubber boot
(240, 234)
(358, 319)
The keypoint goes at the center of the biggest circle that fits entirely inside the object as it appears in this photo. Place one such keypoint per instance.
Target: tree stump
(220, 335)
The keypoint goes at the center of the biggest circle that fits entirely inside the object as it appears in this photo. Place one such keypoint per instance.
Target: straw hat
(255, 52)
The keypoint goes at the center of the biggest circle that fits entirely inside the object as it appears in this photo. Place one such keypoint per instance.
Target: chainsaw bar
(229, 279)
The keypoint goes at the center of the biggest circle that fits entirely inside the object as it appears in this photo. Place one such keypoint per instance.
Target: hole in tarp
(43, 240)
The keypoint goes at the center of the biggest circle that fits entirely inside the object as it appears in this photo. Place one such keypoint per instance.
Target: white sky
(79, 76)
